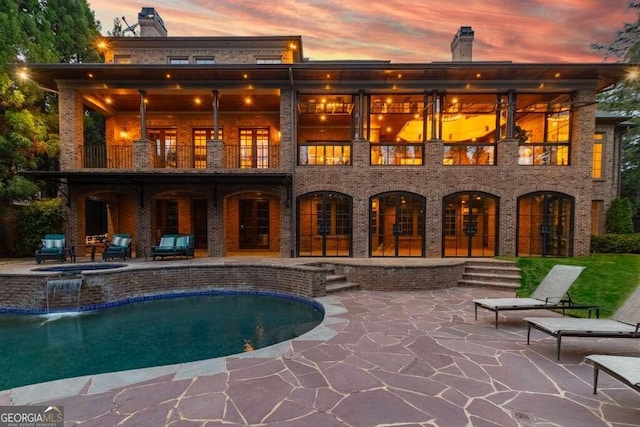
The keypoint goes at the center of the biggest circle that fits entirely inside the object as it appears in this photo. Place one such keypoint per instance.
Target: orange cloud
(418, 31)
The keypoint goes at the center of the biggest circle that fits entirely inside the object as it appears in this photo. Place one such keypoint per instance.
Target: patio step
(338, 282)
(490, 274)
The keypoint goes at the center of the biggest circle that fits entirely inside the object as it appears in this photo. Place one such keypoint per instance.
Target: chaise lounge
(53, 248)
(625, 323)
(174, 245)
(623, 368)
(120, 247)
(552, 293)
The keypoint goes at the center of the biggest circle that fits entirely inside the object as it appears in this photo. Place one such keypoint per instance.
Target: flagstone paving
(380, 359)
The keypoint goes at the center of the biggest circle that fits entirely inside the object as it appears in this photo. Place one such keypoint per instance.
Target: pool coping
(99, 383)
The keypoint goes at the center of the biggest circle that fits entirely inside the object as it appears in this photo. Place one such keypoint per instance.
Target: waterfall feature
(64, 292)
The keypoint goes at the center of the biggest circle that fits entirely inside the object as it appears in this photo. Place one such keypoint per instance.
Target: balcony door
(254, 148)
(470, 225)
(165, 142)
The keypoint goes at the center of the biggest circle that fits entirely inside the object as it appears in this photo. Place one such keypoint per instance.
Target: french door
(254, 148)
(545, 225)
(254, 223)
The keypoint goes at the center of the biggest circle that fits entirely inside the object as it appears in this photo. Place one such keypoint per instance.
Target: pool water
(38, 348)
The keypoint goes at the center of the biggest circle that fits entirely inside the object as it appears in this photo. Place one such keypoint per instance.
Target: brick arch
(317, 188)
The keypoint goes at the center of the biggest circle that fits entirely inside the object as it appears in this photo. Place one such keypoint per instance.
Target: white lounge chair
(624, 368)
(625, 323)
(552, 293)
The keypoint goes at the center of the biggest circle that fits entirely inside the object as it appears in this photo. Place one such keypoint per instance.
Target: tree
(35, 31)
(620, 216)
(624, 99)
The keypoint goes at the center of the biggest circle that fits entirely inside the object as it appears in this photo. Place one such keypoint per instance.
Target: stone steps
(491, 274)
(338, 282)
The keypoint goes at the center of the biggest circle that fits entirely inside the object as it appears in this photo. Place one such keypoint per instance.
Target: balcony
(107, 157)
(251, 157)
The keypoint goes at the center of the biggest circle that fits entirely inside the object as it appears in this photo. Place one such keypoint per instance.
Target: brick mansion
(251, 148)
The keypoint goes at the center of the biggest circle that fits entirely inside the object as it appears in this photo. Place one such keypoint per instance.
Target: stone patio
(378, 359)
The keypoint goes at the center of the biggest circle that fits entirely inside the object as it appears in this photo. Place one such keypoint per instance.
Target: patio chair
(52, 248)
(551, 293)
(120, 247)
(174, 245)
(625, 323)
(623, 368)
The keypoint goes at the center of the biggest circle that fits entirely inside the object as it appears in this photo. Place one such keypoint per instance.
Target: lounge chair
(552, 293)
(623, 368)
(120, 247)
(174, 245)
(53, 248)
(625, 323)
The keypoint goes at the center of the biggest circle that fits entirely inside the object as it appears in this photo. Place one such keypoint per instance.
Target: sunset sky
(400, 31)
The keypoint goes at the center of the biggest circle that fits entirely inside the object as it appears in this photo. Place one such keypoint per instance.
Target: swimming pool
(147, 333)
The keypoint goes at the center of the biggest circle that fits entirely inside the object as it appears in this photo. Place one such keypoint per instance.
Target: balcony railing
(107, 156)
(181, 157)
(251, 157)
(469, 154)
(556, 154)
(397, 154)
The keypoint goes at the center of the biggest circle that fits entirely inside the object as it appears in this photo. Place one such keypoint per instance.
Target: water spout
(62, 287)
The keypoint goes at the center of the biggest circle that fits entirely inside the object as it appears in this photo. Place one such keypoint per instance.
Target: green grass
(607, 280)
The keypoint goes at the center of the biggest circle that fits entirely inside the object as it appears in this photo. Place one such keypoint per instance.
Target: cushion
(52, 243)
(167, 241)
(117, 241)
(182, 241)
(124, 241)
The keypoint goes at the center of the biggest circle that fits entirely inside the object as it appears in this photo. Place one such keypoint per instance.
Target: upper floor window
(179, 60)
(269, 60)
(543, 125)
(471, 124)
(204, 60)
(122, 59)
(325, 129)
(598, 146)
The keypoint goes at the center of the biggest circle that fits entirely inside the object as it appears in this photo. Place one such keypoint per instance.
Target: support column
(143, 150)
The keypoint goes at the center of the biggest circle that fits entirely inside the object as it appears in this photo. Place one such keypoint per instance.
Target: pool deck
(378, 358)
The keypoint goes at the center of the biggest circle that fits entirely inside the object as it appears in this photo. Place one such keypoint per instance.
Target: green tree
(620, 216)
(35, 31)
(624, 99)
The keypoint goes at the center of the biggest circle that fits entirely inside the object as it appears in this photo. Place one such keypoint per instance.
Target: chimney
(462, 44)
(151, 25)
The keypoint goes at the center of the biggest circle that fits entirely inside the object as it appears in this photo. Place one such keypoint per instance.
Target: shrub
(616, 243)
(40, 218)
(620, 216)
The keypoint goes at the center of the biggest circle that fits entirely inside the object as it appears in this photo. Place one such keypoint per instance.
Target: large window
(470, 225)
(325, 129)
(471, 124)
(598, 146)
(396, 129)
(543, 126)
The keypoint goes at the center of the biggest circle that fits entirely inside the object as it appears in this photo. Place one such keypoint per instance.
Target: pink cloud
(419, 31)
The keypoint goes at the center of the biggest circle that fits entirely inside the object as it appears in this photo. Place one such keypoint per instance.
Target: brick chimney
(151, 25)
(462, 45)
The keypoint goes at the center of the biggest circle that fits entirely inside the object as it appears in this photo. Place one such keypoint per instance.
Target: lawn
(607, 280)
